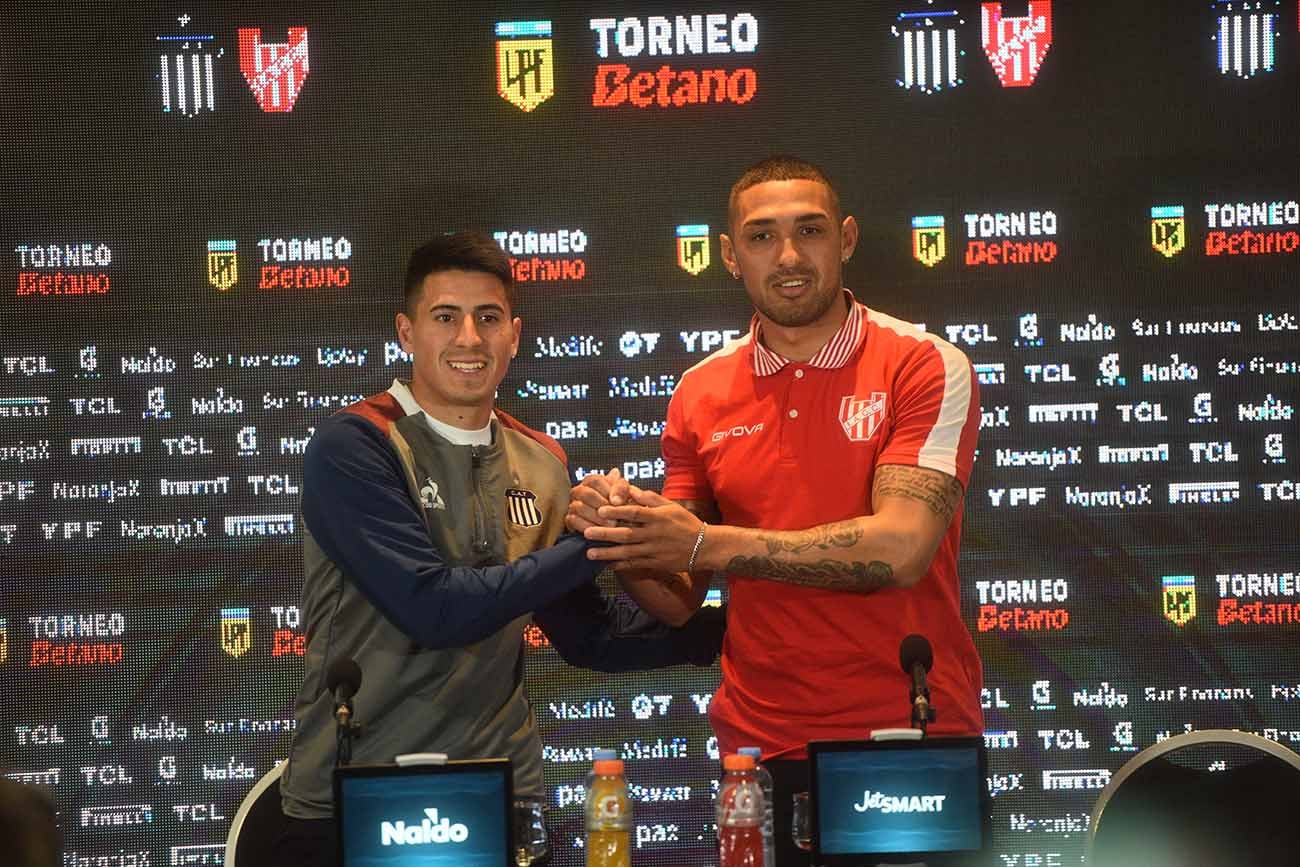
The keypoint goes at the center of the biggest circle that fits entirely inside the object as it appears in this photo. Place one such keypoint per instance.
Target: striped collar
(836, 353)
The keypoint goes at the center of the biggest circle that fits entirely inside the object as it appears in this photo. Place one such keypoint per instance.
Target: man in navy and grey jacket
(434, 528)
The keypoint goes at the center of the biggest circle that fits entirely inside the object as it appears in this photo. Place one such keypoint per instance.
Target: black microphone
(343, 679)
(917, 657)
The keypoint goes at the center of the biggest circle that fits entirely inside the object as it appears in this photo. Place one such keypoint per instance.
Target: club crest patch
(861, 418)
(522, 506)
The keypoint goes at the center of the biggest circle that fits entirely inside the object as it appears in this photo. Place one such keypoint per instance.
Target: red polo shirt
(784, 445)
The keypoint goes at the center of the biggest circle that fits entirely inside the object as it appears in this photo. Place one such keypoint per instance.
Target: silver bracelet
(695, 552)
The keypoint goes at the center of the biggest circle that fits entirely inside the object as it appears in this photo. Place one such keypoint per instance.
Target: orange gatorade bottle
(609, 817)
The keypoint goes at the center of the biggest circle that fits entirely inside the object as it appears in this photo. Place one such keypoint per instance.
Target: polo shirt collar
(834, 354)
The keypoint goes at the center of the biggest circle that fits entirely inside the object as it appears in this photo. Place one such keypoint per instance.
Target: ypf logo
(1016, 46)
(236, 631)
(223, 268)
(1168, 230)
(274, 70)
(1179, 598)
(693, 248)
(861, 418)
(928, 241)
(430, 830)
(525, 73)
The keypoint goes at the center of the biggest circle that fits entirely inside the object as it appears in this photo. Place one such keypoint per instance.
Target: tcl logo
(737, 431)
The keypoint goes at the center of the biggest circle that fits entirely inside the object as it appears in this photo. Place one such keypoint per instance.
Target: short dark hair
(460, 251)
(779, 168)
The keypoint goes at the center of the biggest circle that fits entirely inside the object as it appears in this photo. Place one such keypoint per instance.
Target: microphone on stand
(343, 679)
(917, 657)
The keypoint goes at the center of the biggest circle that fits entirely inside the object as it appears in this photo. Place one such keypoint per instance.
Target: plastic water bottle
(740, 814)
(769, 820)
(609, 816)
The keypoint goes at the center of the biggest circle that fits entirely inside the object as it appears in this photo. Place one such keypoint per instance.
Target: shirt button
(798, 374)
(794, 413)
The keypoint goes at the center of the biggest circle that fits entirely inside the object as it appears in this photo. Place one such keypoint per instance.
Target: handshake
(639, 530)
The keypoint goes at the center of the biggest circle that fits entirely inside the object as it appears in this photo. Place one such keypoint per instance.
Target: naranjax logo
(430, 830)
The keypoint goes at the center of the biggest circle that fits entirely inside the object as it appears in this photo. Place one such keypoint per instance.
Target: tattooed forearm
(827, 574)
(939, 491)
(845, 534)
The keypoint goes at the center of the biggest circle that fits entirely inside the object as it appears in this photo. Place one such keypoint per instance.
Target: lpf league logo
(522, 506)
(236, 631)
(185, 63)
(1016, 46)
(1168, 230)
(693, 248)
(274, 70)
(525, 72)
(928, 243)
(223, 269)
(1179, 598)
(861, 418)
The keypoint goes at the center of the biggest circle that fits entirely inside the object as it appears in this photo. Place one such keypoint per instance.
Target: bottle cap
(599, 753)
(751, 751)
(608, 767)
(737, 762)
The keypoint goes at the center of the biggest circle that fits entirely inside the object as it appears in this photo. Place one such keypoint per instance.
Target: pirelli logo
(522, 506)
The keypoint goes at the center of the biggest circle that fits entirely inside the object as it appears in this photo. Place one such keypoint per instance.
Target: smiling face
(788, 245)
(462, 335)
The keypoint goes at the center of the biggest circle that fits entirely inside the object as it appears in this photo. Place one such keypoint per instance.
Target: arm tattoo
(854, 577)
(844, 534)
(939, 491)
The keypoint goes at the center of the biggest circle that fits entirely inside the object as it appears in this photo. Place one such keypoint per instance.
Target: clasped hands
(644, 531)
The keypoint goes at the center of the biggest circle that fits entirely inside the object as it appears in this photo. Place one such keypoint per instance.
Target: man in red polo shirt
(819, 463)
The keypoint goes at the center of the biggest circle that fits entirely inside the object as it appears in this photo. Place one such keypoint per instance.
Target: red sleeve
(684, 476)
(936, 412)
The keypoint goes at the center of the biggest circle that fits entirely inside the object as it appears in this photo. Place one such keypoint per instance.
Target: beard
(797, 312)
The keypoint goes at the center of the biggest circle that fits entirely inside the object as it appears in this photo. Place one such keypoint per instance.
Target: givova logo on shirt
(431, 830)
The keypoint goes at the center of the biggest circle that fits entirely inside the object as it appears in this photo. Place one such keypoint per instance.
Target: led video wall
(209, 214)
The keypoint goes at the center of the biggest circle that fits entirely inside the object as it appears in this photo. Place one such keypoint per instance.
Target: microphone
(343, 679)
(916, 658)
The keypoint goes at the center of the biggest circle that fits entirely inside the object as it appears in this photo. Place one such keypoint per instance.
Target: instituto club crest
(1168, 230)
(861, 418)
(1179, 598)
(274, 70)
(236, 631)
(928, 243)
(1016, 46)
(693, 248)
(525, 72)
(222, 267)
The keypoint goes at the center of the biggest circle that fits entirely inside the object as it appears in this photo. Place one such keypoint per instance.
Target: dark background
(398, 133)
